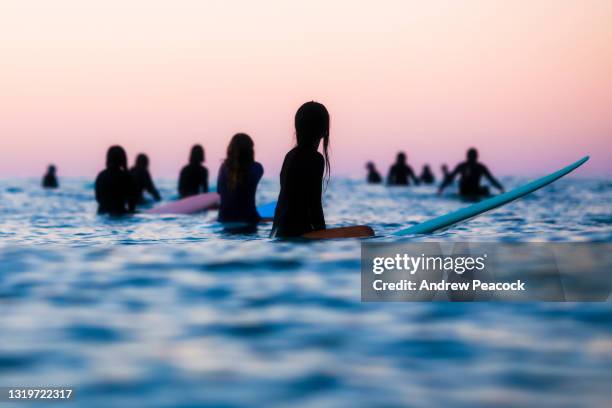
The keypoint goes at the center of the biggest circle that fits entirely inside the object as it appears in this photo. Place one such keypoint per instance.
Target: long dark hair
(116, 157)
(312, 125)
(240, 156)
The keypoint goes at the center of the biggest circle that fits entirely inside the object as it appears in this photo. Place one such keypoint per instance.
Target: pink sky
(528, 82)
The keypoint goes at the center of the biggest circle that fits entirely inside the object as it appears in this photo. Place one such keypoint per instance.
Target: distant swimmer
(50, 178)
(142, 179)
(373, 174)
(427, 176)
(115, 190)
(237, 181)
(400, 173)
(471, 172)
(299, 209)
(194, 177)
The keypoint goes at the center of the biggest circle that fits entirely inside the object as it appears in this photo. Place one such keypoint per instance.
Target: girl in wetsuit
(193, 178)
(299, 208)
(115, 190)
(237, 182)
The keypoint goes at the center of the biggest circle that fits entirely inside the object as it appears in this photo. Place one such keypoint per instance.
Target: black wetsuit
(238, 205)
(142, 183)
(400, 174)
(193, 180)
(471, 174)
(115, 192)
(50, 181)
(374, 177)
(427, 177)
(299, 208)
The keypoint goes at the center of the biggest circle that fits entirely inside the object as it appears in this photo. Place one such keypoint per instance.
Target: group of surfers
(119, 189)
(471, 172)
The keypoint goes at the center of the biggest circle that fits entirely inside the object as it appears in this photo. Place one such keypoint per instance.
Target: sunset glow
(527, 82)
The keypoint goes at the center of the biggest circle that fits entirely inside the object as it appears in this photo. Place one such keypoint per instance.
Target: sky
(527, 82)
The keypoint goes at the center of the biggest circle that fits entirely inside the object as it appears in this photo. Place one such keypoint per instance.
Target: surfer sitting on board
(142, 179)
(50, 178)
(194, 177)
(373, 174)
(427, 176)
(400, 173)
(115, 190)
(299, 208)
(237, 182)
(471, 172)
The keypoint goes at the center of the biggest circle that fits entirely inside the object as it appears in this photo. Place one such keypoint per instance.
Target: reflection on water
(184, 314)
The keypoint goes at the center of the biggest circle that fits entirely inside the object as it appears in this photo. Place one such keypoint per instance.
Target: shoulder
(102, 174)
(257, 168)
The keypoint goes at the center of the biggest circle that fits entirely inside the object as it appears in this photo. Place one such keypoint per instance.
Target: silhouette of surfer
(115, 190)
(299, 209)
(142, 179)
(400, 173)
(471, 172)
(373, 174)
(427, 176)
(50, 178)
(237, 182)
(194, 177)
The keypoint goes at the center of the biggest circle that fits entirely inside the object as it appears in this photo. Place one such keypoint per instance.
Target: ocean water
(173, 311)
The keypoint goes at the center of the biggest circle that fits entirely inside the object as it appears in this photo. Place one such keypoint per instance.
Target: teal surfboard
(472, 211)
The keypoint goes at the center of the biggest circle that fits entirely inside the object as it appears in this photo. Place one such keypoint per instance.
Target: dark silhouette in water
(194, 177)
(237, 182)
(373, 174)
(445, 174)
(50, 178)
(142, 179)
(471, 172)
(400, 173)
(427, 176)
(299, 208)
(115, 190)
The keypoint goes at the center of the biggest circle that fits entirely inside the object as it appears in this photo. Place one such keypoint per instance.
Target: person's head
(142, 161)
(197, 154)
(370, 166)
(426, 168)
(401, 158)
(51, 169)
(312, 125)
(444, 168)
(240, 156)
(116, 157)
(472, 155)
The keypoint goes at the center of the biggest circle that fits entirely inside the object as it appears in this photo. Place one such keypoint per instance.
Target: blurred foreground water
(160, 311)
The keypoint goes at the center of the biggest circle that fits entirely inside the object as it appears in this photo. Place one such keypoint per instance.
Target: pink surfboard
(189, 205)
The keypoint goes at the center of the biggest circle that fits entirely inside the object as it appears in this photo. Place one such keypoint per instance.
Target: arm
(492, 179)
(181, 182)
(150, 187)
(391, 176)
(97, 188)
(131, 194)
(448, 180)
(204, 180)
(413, 176)
(221, 180)
(315, 192)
